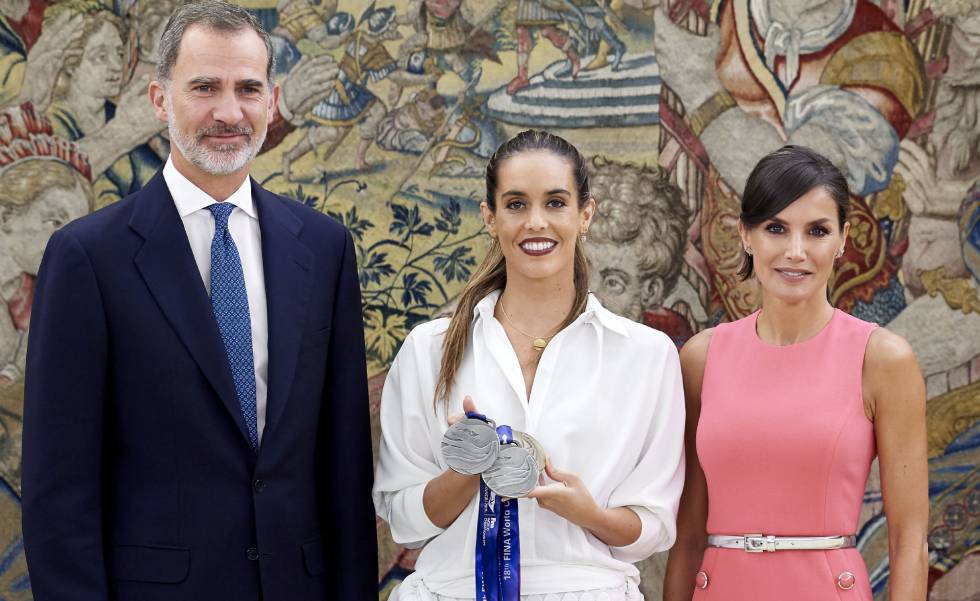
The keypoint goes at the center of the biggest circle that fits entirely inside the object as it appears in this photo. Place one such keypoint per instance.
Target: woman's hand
(468, 407)
(568, 497)
(448, 494)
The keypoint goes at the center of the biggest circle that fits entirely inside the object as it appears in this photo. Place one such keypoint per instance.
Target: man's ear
(158, 98)
(274, 99)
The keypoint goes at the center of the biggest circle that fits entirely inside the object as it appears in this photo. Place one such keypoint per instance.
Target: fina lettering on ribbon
(498, 544)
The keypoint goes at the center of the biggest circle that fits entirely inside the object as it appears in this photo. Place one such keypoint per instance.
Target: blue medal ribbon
(498, 542)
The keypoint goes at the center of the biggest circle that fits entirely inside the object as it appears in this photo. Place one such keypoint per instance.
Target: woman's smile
(537, 247)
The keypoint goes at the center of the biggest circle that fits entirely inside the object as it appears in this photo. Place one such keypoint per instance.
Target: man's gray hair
(217, 15)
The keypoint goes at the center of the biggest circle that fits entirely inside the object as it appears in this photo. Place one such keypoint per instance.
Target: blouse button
(845, 581)
(701, 580)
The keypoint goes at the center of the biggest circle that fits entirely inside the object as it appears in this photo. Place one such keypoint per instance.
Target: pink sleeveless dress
(786, 448)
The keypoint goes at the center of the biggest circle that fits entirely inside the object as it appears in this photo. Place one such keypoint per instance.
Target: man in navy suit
(196, 418)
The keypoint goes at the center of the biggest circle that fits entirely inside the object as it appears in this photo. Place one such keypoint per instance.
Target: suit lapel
(167, 265)
(288, 264)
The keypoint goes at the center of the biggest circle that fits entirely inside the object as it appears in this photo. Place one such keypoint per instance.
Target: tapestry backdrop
(672, 101)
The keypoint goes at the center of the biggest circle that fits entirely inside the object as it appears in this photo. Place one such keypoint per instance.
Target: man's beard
(224, 159)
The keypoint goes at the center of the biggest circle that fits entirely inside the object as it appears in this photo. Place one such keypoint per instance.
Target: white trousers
(413, 589)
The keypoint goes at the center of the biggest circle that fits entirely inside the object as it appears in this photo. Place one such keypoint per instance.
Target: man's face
(218, 103)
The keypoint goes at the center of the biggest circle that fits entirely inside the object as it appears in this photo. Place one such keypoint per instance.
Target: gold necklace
(537, 342)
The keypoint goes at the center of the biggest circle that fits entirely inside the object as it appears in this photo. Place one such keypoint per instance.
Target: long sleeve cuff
(653, 537)
(410, 525)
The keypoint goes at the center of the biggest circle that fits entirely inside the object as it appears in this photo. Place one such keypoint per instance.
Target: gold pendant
(539, 344)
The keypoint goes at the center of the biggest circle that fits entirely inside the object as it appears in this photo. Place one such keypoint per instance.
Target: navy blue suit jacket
(139, 482)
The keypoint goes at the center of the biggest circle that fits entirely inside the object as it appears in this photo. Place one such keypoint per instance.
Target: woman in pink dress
(787, 408)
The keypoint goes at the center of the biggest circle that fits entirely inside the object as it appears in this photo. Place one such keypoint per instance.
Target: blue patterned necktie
(229, 301)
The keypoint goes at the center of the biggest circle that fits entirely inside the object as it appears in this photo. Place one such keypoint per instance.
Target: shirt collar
(604, 317)
(190, 198)
(594, 313)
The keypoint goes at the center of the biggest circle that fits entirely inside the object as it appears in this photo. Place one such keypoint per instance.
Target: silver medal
(533, 446)
(515, 472)
(470, 446)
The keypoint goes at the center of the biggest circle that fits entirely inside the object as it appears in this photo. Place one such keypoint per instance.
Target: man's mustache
(224, 130)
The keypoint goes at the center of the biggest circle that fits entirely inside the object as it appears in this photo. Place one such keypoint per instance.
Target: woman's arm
(570, 498)
(685, 556)
(639, 516)
(409, 470)
(448, 494)
(893, 383)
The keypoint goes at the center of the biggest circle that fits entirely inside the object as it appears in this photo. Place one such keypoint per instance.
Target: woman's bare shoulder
(695, 350)
(887, 351)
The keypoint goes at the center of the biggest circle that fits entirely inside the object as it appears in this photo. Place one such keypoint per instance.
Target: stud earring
(839, 254)
(748, 251)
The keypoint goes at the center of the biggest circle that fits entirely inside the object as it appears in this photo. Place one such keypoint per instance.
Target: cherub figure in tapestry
(636, 246)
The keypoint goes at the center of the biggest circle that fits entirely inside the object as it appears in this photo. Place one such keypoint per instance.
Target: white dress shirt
(606, 404)
(243, 224)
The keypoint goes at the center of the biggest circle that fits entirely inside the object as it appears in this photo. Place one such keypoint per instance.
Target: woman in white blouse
(603, 397)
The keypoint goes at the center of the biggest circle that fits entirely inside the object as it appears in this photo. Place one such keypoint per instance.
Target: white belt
(757, 543)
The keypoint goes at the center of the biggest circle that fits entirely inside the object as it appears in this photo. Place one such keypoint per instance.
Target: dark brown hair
(492, 274)
(780, 179)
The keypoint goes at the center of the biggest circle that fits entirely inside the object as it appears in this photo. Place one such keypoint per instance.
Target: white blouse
(606, 404)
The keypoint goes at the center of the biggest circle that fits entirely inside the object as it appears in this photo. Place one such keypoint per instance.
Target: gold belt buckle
(757, 543)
